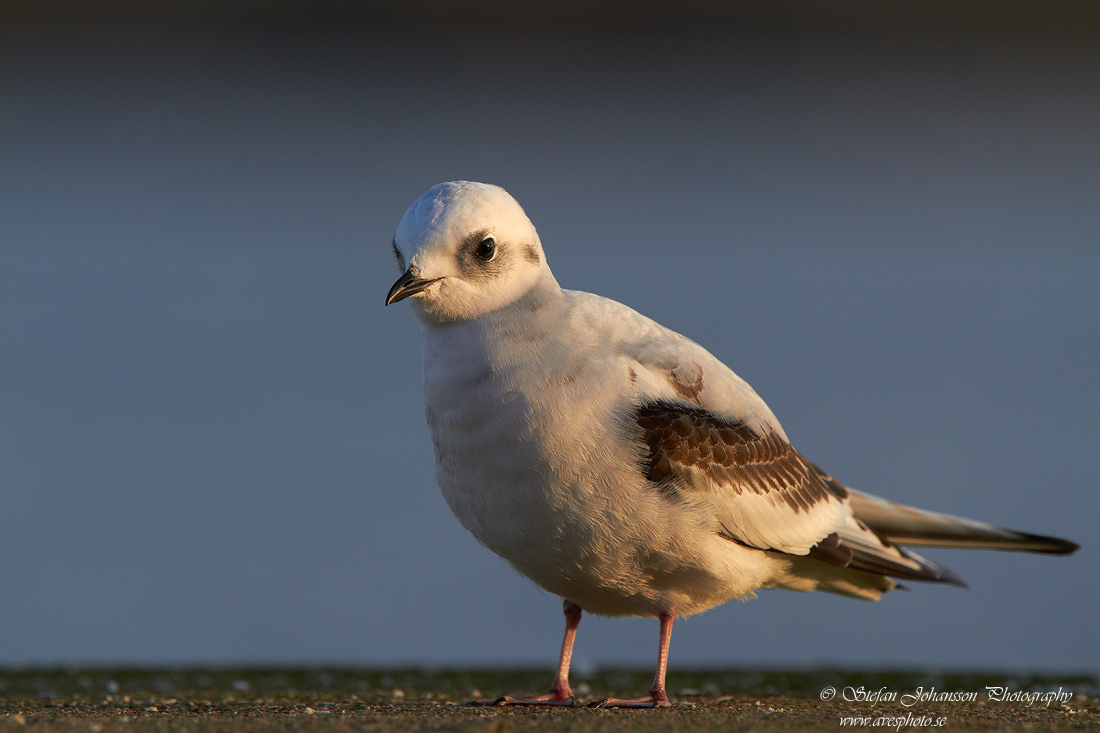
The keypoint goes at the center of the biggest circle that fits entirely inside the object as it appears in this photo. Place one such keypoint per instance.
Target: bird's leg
(657, 697)
(560, 693)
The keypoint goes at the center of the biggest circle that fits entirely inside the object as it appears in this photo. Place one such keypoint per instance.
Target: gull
(618, 464)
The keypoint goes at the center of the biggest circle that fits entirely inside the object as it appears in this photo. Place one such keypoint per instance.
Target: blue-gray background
(212, 445)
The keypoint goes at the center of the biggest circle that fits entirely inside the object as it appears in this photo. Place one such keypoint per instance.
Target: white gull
(616, 463)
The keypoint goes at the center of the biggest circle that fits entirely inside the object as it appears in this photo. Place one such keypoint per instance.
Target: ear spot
(531, 253)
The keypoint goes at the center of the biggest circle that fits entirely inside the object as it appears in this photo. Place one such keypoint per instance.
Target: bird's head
(466, 249)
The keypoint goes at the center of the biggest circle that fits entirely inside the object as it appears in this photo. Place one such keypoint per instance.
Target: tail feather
(864, 555)
(906, 525)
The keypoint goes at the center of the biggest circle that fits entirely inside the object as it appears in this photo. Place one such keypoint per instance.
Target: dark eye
(486, 249)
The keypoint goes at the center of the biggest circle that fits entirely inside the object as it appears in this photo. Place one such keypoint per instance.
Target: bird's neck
(512, 338)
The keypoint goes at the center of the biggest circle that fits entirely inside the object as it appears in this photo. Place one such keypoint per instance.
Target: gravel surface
(417, 700)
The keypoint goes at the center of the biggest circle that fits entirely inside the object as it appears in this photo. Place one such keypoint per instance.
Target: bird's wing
(708, 439)
(765, 494)
(761, 490)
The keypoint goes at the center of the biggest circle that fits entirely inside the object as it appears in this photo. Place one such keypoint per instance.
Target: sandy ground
(416, 700)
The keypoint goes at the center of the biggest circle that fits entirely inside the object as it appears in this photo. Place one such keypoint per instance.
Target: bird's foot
(550, 698)
(655, 699)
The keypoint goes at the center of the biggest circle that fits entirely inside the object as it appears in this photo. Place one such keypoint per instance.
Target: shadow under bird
(618, 464)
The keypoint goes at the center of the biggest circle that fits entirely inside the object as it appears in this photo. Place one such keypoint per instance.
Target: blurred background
(886, 217)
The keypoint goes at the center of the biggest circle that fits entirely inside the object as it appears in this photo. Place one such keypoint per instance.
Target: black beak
(406, 285)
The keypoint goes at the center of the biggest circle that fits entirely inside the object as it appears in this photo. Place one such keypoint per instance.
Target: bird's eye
(486, 249)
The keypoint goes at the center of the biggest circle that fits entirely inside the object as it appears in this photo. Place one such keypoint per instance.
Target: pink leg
(560, 693)
(657, 697)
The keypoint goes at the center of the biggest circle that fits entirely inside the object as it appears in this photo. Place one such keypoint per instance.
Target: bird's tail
(906, 525)
(865, 554)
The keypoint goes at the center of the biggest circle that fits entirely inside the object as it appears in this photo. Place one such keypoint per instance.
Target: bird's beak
(408, 284)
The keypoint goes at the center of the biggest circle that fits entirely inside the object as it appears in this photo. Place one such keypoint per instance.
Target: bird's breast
(515, 437)
(488, 433)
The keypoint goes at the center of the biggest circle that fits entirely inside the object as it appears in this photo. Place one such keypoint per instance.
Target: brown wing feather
(685, 442)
